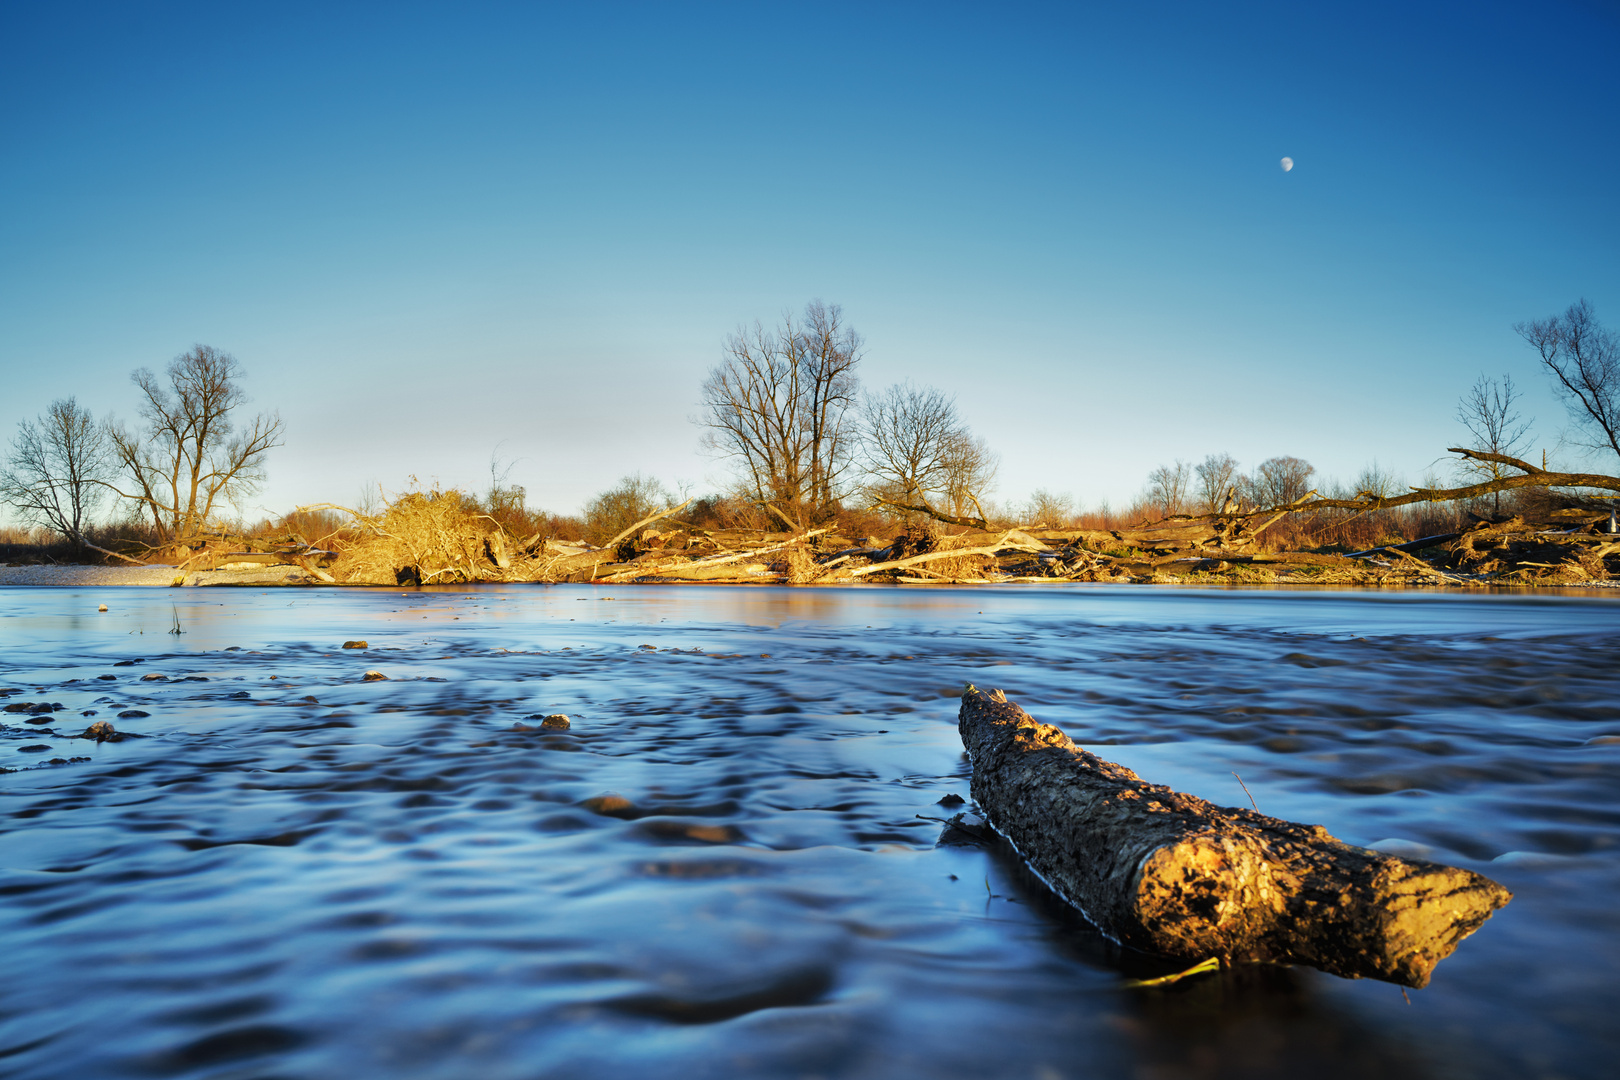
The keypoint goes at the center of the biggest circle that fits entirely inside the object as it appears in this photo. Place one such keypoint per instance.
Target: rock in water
(1171, 874)
(354, 645)
(373, 676)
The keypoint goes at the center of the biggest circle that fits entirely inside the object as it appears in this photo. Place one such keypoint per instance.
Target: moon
(1287, 164)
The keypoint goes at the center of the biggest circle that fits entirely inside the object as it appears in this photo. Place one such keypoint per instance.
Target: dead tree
(1173, 875)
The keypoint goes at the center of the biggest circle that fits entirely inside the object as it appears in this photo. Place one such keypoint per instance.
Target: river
(727, 866)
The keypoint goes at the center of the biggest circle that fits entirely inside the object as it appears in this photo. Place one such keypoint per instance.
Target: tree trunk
(1171, 874)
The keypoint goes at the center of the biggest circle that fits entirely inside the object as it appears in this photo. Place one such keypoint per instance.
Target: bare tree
(830, 352)
(1490, 414)
(1169, 486)
(1216, 477)
(908, 434)
(1376, 482)
(777, 406)
(192, 457)
(918, 455)
(970, 471)
(1279, 481)
(1048, 509)
(57, 468)
(505, 498)
(1584, 359)
(622, 505)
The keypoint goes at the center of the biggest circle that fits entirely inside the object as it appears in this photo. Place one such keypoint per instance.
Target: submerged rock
(610, 805)
(553, 722)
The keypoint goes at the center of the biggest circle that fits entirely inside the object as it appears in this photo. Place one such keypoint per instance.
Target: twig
(1248, 793)
(1212, 964)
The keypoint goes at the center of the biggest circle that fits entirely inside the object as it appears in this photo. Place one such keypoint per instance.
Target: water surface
(728, 866)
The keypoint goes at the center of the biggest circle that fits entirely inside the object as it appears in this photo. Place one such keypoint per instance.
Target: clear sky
(433, 233)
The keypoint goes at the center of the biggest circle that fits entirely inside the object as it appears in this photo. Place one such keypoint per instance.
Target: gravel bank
(75, 576)
(87, 575)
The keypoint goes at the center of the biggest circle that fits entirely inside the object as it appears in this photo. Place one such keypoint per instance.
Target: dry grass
(796, 565)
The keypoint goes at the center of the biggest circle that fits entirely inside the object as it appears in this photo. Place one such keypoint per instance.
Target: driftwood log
(1173, 875)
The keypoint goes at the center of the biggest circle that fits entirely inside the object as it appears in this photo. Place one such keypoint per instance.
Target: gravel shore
(76, 576)
(87, 575)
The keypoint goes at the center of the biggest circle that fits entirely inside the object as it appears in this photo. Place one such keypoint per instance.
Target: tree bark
(1171, 874)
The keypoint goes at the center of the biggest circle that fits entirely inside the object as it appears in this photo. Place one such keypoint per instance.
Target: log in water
(1172, 874)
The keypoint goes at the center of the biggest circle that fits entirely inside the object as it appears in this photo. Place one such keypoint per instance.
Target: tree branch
(969, 522)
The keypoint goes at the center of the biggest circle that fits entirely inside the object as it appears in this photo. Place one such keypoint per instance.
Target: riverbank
(278, 576)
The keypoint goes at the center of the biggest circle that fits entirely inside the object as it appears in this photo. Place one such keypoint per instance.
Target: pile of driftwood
(427, 538)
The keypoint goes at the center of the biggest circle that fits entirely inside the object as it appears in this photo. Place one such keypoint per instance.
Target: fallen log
(1173, 875)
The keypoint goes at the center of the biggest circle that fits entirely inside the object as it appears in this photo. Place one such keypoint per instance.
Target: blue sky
(434, 233)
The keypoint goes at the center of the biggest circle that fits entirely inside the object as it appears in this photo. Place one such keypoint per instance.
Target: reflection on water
(726, 867)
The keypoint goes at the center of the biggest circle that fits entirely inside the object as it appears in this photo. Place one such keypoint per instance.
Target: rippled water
(296, 873)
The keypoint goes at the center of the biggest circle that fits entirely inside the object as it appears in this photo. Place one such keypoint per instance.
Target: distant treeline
(807, 447)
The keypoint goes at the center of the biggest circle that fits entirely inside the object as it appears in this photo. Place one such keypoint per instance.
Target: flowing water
(298, 873)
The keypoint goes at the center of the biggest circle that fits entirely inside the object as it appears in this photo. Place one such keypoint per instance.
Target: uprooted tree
(191, 456)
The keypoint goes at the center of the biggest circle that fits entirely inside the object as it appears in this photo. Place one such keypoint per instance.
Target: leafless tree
(505, 498)
(777, 405)
(830, 352)
(1376, 481)
(1584, 359)
(1169, 486)
(1216, 477)
(1489, 412)
(191, 456)
(624, 504)
(908, 434)
(1048, 509)
(57, 468)
(970, 471)
(1279, 481)
(917, 452)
